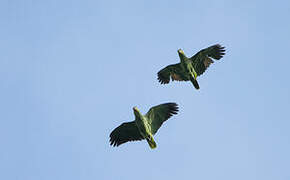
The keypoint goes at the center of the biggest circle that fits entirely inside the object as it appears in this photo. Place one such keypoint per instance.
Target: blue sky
(71, 71)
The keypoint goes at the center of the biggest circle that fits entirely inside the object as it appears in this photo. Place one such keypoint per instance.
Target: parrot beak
(180, 51)
(135, 109)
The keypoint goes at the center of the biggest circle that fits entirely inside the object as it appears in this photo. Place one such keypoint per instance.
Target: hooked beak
(135, 109)
(180, 51)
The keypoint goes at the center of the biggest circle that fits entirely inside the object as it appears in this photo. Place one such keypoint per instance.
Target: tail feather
(151, 143)
(195, 83)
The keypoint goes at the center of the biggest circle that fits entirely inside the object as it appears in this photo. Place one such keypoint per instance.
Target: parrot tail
(151, 142)
(194, 82)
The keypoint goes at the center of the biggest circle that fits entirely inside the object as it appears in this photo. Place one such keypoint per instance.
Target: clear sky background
(71, 71)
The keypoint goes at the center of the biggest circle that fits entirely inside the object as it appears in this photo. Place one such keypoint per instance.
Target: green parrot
(144, 126)
(190, 68)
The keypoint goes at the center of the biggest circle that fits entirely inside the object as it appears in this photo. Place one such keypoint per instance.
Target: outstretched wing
(125, 132)
(202, 60)
(173, 71)
(158, 114)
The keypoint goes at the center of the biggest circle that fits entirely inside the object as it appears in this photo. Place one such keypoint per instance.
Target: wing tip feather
(119, 135)
(162, 79)
(219, 51)
(173, 109)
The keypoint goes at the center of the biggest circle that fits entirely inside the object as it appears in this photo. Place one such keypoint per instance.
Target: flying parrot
(190, 68)
(144, 126)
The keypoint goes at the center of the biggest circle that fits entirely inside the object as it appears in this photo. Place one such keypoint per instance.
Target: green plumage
(144, 126)
(190, 68)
